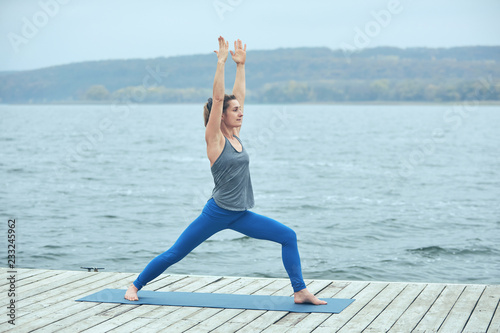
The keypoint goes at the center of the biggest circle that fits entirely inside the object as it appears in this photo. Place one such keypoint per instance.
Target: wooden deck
(45, 302)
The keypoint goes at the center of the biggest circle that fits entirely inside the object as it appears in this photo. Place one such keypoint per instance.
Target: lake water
(374, 192)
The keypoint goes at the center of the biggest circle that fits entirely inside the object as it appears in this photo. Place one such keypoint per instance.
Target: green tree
(97, 93)
(380, 89)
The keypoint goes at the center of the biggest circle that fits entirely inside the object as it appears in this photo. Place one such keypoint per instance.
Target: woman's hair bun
(209, 104)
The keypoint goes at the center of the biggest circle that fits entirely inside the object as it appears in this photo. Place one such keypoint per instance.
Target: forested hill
(276, 76)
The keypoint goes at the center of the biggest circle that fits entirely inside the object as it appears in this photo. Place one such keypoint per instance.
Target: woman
(233, 194)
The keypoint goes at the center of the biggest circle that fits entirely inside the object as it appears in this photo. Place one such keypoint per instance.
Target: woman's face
(233, 116)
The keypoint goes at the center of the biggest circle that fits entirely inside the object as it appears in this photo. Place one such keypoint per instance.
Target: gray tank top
(231, 172)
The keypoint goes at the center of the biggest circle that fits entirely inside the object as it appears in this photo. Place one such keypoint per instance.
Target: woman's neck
(227, 132)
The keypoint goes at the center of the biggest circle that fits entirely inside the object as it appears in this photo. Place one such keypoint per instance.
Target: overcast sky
(41, 33)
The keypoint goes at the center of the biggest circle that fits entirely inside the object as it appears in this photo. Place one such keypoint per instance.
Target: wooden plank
(164, 316)
(484, 311)
(217, 285)
(273, 287)
(237, 322)
(215, 321)
(416, 311)
(395, 309)
(252, 287)
(59, 293)
(333, 289)
(244, 317)
(311, 321)
(47, 303)
(182, 283)
(494, 326)
(293, 318)
(126, 315)
(183, 313)
(262, 322)
(161, 285)
(297, 329)
(137, 324)
(28, 281)
(438, 312)
(374, 308)
(276, 329)
(63, 309)
(164, 282)
(50, 306)
(227, 314)
(462, 310)
(317, 286)
(284, 291)
(22, 273)
(314, 320)
(352, 289)
(109, 312)
(191, 320)
(167, 319)
(305, 320)
(233, 287)
(49, 283)
(63, 319)
(101, 312)
(156, 311)
(363, 292)
(199, 283)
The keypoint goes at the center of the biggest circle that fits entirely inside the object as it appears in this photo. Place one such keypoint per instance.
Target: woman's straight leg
(262, 227)
(196, 233)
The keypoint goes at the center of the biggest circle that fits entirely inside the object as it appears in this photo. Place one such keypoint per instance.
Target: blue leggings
(214, 219)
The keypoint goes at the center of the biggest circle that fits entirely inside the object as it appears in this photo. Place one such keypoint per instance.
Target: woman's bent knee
(290, 236)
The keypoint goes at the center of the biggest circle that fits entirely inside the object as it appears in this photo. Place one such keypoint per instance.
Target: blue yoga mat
(212, 300)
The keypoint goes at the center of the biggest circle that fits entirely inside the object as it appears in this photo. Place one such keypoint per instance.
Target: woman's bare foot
(305, 296)
(131, 293)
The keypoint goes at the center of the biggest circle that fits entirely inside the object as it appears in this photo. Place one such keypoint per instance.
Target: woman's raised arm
(213, 132)
(239, 57)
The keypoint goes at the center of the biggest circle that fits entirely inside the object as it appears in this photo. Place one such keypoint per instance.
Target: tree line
(296, 75)
(317, 92)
